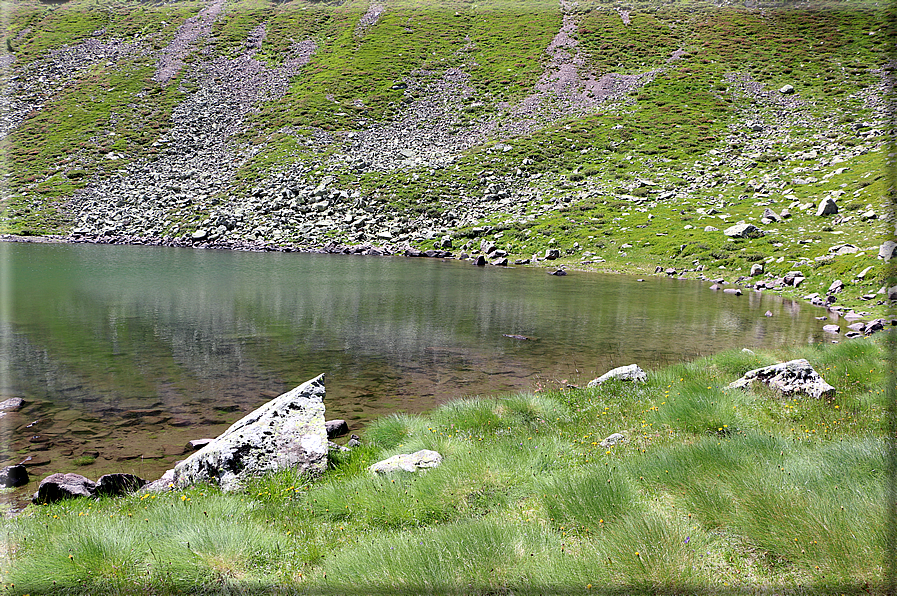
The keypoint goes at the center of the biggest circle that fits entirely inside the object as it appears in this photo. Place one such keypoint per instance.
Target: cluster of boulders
(288, 432)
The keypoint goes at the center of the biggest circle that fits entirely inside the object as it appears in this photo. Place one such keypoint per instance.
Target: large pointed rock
(287, 432)
(795, 376)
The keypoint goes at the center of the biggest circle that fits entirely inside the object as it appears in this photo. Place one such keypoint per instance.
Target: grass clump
(789, 494)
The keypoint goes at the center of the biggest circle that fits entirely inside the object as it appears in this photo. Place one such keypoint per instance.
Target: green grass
(790, 497)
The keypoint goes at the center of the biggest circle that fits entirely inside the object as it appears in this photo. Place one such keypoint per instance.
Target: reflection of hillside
(178, 326)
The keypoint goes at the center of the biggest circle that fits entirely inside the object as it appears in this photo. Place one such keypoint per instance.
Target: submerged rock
(408, 462)
(633, 372)
(287, 432)
(795, 376)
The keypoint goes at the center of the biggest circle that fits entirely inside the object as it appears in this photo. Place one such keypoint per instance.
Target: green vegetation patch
(787, 492)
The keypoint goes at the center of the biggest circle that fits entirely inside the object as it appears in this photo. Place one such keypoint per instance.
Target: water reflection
(132, 351)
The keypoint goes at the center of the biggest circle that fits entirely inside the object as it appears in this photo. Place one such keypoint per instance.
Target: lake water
(126, 353)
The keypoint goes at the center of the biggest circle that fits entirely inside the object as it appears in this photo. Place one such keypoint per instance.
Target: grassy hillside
(714, 491)
(621, 135)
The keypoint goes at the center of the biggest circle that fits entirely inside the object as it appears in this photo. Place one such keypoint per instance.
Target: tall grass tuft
(589, 498)
(485, 556)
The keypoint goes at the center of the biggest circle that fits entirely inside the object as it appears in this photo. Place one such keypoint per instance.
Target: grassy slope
(666, 132)
(713, 491)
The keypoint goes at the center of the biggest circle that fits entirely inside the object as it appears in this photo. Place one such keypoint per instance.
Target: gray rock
(887, 250)
(711, 229)
(612, 440)
(786, 89)
(552, 254)
(166, 482)
(633, 372)
(287, 432)
(743, 230)
(13, 476)
(795, 376)
(13, 404)
(835, 287)
(843, 249)
(756, 269)
(408, 462)
(196, 444)
(200, 234)
(57, 487)
(336, 428)
(831, 328)
(116, 485)
(771, 215)
(559, 273)
(827, 206)
(733, 291)
(480, 261)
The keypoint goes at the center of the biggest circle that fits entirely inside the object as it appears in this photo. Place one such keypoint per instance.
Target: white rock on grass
(408, 462)
(612, 440)
(633, 372)
(795, 376)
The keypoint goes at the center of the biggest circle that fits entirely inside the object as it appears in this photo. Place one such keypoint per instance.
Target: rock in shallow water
(287, 432)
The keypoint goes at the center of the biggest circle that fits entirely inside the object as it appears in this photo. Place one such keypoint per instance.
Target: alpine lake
(123, 354)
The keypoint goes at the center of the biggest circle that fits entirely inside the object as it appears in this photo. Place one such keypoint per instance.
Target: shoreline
(368, 249)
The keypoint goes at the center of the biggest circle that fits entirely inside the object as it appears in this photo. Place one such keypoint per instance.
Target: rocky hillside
(617, 136)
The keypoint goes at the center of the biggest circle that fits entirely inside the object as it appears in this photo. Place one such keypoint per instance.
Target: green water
(126, 353)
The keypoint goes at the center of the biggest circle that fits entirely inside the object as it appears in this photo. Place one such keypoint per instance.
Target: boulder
(559, 273)
(408, 462)
(336, 428)
(743, 230)
(633, 372)
(827, 206)
(733, 291)
(756, 269)
(552, 254)
(480, 261)
(835, 287)
(196, 444)
(771, 215)
(13, 476)
(116, 485)
(831, 328)
(887, 250)
(287, 432)
(612, 440)
(786, 89)
(875, 326)
(795, 376)
(13, 404)
(57, 487)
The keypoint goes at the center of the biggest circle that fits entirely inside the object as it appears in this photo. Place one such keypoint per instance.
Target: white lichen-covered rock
(795, 376)
(612, 440)
(408, 462)
(286, 432)
(633, 372)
